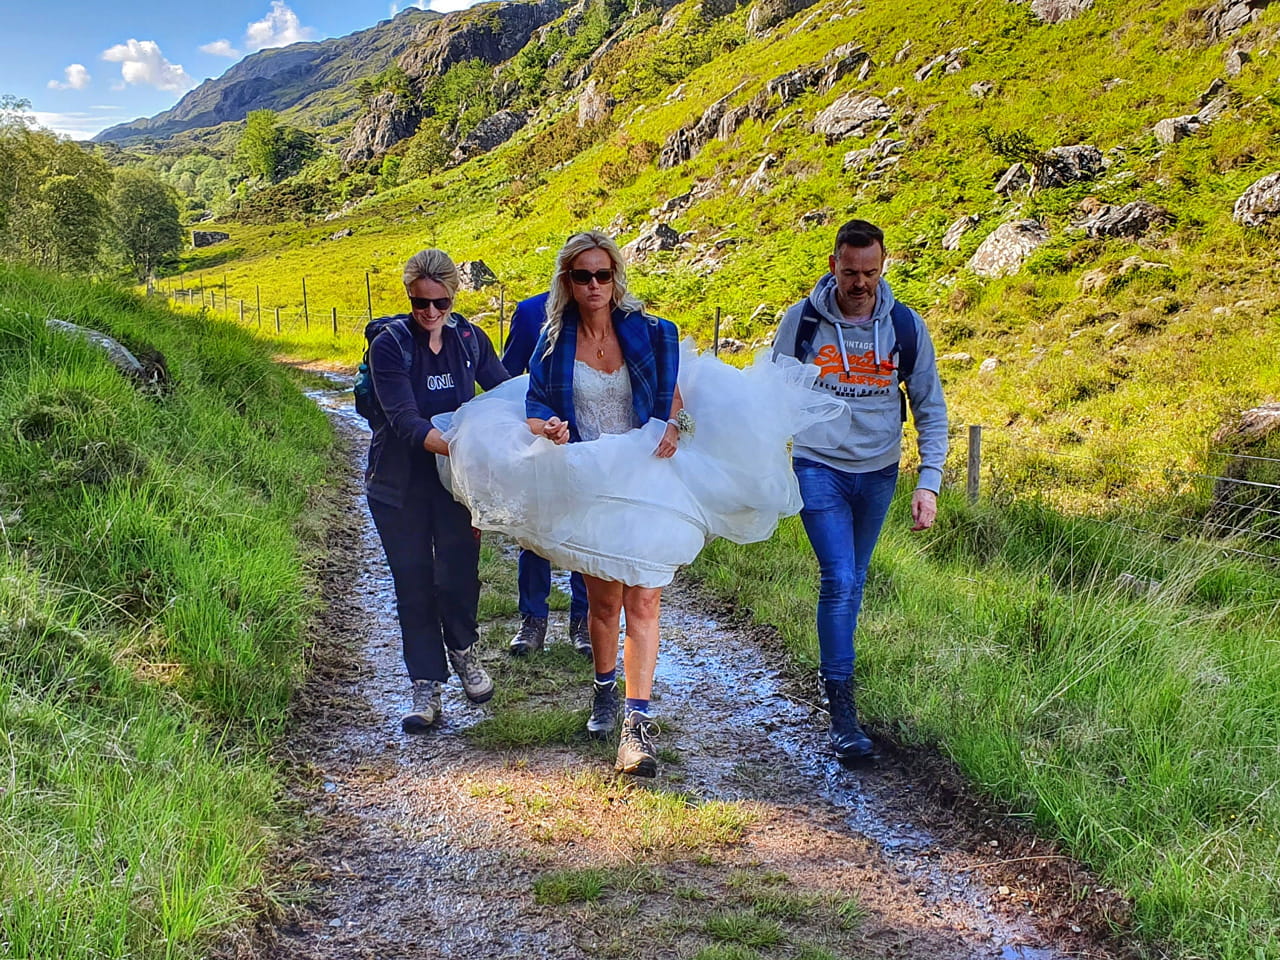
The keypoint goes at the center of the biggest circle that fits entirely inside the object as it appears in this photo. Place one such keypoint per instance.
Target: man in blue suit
(535, 571)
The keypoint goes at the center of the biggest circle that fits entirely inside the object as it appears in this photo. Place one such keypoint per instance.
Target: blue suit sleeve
(526, 324)
(537, 402)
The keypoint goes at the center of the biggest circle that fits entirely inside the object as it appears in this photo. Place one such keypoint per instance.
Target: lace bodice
(602, 401)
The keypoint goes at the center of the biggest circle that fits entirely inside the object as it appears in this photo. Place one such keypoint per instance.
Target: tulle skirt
(609, 507)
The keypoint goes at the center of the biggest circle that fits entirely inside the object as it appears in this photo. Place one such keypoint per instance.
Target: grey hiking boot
(579, 636)
(532, 636)
(637, 753)
(604, 710)
(475, 682)
(847, 737)
(426, 707)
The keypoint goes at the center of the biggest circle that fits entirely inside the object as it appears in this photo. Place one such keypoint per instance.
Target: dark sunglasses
(440, 303)
(583, 277)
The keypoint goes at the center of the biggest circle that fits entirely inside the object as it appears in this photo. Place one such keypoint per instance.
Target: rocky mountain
(298, 76)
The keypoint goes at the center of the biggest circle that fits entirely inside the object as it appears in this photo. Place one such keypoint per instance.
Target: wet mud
(430, 846)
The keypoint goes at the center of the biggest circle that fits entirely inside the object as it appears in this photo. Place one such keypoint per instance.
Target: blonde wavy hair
(562, 287)
(432, 265)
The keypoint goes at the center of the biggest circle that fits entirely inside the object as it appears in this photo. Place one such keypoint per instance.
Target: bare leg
(604, 607)
(640, 648)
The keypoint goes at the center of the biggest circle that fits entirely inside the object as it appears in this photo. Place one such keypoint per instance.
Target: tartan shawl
(650, 348)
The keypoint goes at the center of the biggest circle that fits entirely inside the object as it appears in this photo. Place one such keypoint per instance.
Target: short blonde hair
(562, 287)
(432, 265)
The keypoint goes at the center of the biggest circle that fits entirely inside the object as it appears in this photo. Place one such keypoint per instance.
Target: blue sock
(641, 705)
(607, 677)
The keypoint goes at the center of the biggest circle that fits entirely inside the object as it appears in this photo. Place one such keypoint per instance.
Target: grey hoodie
(856, 366)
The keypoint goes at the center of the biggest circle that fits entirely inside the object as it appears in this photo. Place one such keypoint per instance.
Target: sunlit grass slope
(1134, 718)
(151, 613)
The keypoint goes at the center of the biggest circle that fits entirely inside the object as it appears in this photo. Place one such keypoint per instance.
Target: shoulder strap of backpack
(904, 328)
(467, 334)
(399, 328)
(805, 330)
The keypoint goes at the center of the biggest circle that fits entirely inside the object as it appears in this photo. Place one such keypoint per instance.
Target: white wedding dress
(608, 507)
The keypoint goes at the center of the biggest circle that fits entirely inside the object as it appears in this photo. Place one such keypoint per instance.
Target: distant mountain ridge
(280, 79)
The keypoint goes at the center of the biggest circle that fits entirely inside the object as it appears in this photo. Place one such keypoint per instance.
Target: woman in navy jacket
(428, 364)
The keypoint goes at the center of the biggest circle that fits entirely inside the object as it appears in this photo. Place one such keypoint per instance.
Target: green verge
(152, 605)
(1141, 728)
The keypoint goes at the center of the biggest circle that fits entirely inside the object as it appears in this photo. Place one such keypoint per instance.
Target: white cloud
(420, 4)
(142, 64)
(279, 28)
(77, 78)
(220, 48)
(77, 126)
(448, 6)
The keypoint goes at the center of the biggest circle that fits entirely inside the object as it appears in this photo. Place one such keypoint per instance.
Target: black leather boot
(848, 739)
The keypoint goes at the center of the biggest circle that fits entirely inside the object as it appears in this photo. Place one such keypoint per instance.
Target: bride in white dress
(643, 487)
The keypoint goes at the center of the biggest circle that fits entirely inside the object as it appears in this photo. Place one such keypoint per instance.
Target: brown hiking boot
(637, 753)
(475, 682)
(426, 707)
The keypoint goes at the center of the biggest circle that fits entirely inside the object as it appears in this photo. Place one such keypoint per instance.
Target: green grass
(151, 610)
(1140, 731)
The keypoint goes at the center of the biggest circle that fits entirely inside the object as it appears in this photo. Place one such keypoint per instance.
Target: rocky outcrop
(760, 181)
(1260, 204)
(685, 143)
(383, 125)
(1012, 180)
(490, 33)
(475, 275)
(767, 14)
(1003, 252)
(878, 151)
(1055, 11)
(1061, 166)
(207, 238)
(950, 62)
(595, 104)
(656, 237)
(1227, 17)
(1129, 220)
(489, 133)
(850, 116)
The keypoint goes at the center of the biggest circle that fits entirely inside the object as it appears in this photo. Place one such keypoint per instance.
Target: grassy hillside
(151, 610)
(1134, 375)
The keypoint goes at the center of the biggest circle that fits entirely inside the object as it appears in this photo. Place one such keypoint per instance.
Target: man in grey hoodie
(865, 345)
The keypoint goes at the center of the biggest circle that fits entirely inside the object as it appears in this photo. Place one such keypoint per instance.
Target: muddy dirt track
(752, 842)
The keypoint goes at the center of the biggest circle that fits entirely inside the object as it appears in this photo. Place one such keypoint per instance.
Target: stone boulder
(1233, 62)
(1227, 17)
(1012, 180)
(760, 181)
(684, 144)
(1173, 129)
(1246, 493)
(1130, 220)
(1260, 204)
(1055, 11)
(850, 115)
(1107, 278)
(490, 132)
(656, 237)
(981, 89)
(475, 275)
(951, 239)
(207, 238)
(1007, 247)
(1214, 108)
(884, 147)
(1061, 166)
(950, 62)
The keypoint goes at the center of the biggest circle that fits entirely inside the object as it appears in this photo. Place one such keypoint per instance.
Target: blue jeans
(534, 579)
(843, 513)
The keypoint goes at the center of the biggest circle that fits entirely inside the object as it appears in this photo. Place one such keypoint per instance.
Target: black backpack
(367, 404)
(907, 343)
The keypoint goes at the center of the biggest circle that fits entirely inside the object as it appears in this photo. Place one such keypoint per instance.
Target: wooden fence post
(224, 294)
(368, 294)
(716, 343)
(257, 290)
(277, 319)
(306, 317)
(335, 322)
(975, 462)
(241, 313)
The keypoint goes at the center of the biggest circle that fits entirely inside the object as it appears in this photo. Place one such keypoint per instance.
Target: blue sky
(88, 65)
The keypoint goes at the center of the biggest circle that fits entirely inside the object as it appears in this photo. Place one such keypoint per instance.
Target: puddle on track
(408, 864)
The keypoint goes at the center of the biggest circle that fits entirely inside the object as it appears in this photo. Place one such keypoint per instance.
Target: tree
(260, 144)
(146, 220)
